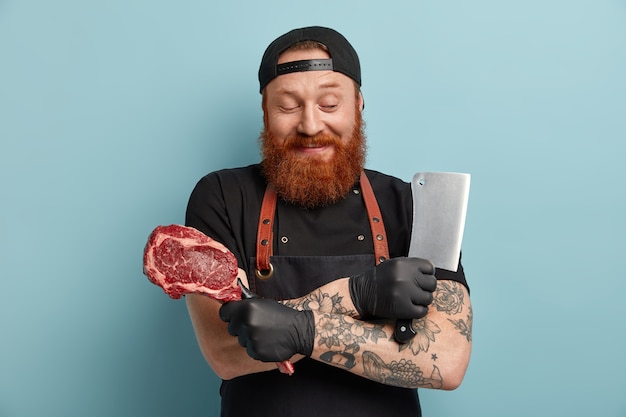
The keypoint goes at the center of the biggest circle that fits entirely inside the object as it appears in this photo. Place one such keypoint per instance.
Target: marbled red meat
(183, 260)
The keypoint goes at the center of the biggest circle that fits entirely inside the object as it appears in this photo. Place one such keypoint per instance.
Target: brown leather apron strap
(264, 241)
(379, 236)
(264, 244)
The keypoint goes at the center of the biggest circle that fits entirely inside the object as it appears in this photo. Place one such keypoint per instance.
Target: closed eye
(288, 109)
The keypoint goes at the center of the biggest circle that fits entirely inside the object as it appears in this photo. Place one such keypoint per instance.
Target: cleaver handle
(404, 330)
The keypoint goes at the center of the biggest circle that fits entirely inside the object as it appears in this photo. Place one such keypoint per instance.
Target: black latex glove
(399, 288)
(270, 331)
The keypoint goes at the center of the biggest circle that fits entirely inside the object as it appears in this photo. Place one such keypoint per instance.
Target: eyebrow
(331, 84)
(325, 86)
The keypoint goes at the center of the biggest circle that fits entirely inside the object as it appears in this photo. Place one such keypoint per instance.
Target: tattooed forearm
(403, 373)
(368, 349)
(465, 327)
(322, 302)
(344, 338)
(448, 297)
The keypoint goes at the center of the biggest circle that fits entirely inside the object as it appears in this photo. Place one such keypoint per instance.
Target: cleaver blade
(439, 210)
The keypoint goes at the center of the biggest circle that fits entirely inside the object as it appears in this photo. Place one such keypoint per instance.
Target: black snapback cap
(343, 57)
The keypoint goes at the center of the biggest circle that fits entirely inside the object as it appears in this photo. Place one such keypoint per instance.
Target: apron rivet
(284, 239)
(382, 259)
(375, 219)
(265, 274)
(361, 237)
(379, 237)
(264, 242)
(266, 221)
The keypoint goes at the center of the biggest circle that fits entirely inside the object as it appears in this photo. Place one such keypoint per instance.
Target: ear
(361, 102)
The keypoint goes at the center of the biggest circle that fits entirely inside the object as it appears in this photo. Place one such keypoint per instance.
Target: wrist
(358, 287)
(306, 332)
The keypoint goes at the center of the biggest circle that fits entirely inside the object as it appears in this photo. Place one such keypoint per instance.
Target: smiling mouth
(311, 148)
(320, 145)
(323, 151)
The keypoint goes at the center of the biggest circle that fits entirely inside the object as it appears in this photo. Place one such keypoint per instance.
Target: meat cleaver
(439, 209)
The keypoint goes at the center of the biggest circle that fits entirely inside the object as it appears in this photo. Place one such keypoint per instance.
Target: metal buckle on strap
(266, 273)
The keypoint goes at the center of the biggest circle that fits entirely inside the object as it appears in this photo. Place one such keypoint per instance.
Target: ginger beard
(308, 181)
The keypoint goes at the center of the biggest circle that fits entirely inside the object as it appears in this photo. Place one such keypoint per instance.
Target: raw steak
(182, 260)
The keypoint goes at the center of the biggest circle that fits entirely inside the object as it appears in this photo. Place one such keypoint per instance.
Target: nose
(310, 121)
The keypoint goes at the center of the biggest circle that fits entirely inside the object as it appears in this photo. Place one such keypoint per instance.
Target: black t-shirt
(226, 206)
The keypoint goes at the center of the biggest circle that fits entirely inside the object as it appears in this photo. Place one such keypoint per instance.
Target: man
(327, 256)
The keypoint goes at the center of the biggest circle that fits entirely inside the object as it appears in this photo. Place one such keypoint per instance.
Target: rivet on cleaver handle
(439, 210)
(404, 330)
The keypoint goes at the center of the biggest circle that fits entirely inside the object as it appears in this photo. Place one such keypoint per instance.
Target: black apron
(316, 389)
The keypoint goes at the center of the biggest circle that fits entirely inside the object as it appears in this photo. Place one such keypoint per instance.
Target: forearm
(333, 297)
(221, 351)
(436, 357)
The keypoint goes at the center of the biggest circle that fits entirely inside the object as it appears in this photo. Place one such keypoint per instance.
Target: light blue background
(110, 112)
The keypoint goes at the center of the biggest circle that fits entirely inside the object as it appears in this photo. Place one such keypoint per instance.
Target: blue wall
(111, 111)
